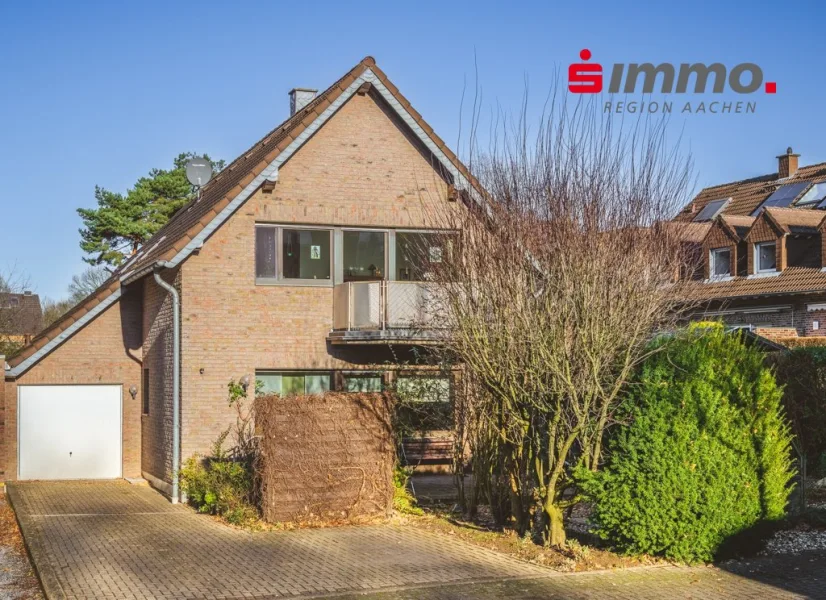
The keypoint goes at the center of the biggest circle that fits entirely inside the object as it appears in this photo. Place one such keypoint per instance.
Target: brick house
(760, 251)
(21, 317)
(293, 268)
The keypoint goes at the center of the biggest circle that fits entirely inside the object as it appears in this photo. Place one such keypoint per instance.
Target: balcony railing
(385, 310)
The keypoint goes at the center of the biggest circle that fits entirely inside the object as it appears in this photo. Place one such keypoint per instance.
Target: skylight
(783, 197)
(817, 193)
(711, 210)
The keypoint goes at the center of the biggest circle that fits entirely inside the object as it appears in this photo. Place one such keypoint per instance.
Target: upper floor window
(720, 262)
(293, 253)
(364, 257)
(418, 254)
(765, 257)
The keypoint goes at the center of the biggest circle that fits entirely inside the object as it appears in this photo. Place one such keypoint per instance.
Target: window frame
(389, 236)
(336, 233)
(303, 372)
(712, 262)
(757, 265)
(279, 278)
(364, 375)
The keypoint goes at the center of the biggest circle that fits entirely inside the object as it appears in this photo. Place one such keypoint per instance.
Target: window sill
(764, 274)
(294, 283)
(719, 279)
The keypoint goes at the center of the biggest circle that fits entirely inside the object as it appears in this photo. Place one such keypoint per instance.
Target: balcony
(382, 312)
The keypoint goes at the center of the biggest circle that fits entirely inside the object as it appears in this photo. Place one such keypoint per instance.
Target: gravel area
(795, 542)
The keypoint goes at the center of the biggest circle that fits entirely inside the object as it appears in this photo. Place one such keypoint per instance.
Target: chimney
(300, 97)
(27, 293)
(787, 164)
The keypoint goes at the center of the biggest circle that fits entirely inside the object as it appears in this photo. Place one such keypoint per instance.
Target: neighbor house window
(293, 254)
(362, 382)
(766, 257)
(418, 254)
(289, 383)
(145, 391)
(720, 262)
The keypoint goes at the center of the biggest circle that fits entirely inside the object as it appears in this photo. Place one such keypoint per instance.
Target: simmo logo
(687, 78)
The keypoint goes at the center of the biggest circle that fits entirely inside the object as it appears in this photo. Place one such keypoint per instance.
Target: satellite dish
(198, 171)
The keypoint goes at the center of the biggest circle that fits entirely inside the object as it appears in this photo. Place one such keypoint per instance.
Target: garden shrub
(706, 454)
(219, 485)
(802, 371)
(403, 500)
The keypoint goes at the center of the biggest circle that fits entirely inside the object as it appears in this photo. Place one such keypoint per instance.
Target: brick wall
(360, 169)
(105, 351)
(326, 457)
(793, 319)
(156, 446)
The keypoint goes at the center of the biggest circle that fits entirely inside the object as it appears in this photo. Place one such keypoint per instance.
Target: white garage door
(69, 431)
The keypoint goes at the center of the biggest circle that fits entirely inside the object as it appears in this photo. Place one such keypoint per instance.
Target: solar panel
(711, 210)
(783, 197)
(817, 193)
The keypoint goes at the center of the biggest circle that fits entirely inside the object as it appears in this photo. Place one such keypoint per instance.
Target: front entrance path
(114, 540)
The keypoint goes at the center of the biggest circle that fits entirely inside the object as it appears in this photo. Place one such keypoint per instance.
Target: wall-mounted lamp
(245, 382)
(133, 391)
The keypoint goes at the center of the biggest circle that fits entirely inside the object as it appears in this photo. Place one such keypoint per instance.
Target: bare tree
(87, 282)
(12, 285)
(561, 277)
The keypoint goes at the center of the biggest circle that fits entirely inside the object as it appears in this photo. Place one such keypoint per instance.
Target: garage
(69, 431)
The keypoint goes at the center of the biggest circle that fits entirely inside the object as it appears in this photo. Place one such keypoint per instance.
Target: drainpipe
(176, 377)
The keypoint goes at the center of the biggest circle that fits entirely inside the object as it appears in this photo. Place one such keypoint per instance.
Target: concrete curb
(41, 566)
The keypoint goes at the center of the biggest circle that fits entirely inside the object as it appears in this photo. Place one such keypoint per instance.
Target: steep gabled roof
(737, 225)
(746, 195)
(795, 220)
(187, 230)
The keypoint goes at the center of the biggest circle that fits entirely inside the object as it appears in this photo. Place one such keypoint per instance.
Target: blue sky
(99, 93)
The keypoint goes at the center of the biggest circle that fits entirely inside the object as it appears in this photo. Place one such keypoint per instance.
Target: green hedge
(802, 372)
(706, 454)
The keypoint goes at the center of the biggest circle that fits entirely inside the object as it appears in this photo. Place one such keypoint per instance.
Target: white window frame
(279, 278)
(712, 262)
(757, 248)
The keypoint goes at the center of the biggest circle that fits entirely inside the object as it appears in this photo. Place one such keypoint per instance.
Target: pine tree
(121, 223)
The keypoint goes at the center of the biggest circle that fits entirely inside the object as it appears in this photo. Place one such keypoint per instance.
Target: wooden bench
(434, 453)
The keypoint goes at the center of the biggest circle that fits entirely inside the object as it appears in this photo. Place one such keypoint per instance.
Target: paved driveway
(97, 540)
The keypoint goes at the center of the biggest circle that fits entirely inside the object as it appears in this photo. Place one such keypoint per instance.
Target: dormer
(724, 250)
(784, 237)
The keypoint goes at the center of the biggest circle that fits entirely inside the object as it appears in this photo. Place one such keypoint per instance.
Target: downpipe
(176, 378)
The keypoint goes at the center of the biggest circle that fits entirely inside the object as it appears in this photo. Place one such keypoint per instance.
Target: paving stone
(111, 539)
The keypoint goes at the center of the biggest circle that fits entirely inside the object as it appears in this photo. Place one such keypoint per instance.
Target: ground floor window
(289, 383)
(361, 382)
(425, 401)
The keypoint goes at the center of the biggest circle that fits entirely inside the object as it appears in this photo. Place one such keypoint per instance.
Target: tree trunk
(556, 529)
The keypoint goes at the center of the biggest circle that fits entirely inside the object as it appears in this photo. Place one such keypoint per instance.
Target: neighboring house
(293, 268)
(21, 317)
(760, 250)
